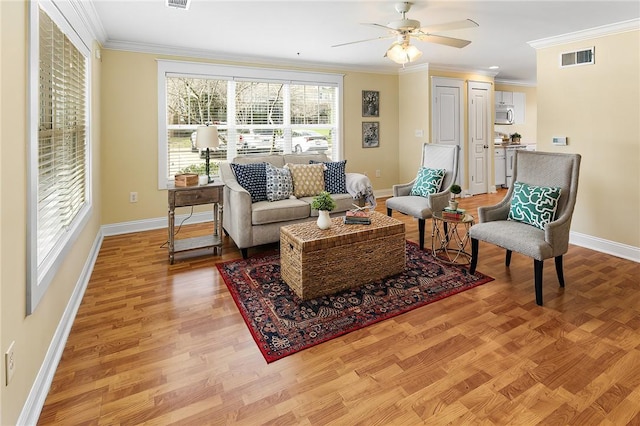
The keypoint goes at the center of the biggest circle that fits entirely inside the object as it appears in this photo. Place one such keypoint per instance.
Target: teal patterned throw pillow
(428, 182)
(534, 205)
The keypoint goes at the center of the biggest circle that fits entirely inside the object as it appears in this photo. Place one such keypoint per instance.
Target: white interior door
(446, 117)
(479, 125)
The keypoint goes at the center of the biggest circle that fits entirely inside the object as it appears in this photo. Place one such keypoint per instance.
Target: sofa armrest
(236, 219)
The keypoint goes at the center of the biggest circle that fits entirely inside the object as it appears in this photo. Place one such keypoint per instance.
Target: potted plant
(515, 137)
(455, 190)
(324, 204)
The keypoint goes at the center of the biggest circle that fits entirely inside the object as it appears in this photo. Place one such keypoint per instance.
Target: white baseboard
(154, 223)
(38, 394)
(605, 246)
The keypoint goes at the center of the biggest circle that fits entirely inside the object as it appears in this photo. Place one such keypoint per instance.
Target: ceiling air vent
(578, 57)
(178, 4)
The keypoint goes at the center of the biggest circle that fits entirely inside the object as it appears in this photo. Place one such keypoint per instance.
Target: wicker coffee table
(316, 263)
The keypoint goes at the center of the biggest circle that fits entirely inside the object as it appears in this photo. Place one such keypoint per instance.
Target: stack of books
(451, 214)
(357, 217)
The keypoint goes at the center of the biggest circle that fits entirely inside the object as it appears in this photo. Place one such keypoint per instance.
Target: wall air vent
(578, 57)
(178, 4)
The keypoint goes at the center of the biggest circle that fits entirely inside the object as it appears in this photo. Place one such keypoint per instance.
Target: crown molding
(449, 68)
(239, 59)
(604, 30)
(516, 83)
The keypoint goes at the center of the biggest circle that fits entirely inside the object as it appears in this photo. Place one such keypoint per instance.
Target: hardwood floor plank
(163, 344)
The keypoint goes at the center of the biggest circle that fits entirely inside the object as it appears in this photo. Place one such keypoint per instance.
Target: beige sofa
(253, 224)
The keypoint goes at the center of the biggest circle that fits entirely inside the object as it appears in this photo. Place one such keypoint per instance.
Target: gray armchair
(434, 157)
(540, 169)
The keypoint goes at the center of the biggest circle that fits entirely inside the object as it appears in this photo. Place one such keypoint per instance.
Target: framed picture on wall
(370, 103)
(370, 134)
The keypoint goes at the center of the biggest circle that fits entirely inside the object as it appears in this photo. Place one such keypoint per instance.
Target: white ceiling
(302, 32)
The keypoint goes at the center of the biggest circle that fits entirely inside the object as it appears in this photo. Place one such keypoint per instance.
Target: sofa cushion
(253, 178)
(344, 202)
(279, 183)
(427, 182)
(334, 176)
(264, 212)
(308, 179)
(533, 205)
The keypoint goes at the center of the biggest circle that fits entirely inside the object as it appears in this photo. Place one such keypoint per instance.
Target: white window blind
(61, 135)
(58, 153)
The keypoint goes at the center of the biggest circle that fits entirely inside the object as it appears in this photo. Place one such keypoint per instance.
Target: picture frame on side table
(370, 103)
(370, 134)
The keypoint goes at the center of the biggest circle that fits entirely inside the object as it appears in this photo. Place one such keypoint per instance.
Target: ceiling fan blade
(380, 26)
(457, 25)
(447, 41)
(362, 41)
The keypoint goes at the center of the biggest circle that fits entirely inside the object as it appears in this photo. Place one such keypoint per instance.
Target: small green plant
(515, 136)
(323, 201)
(455, 190)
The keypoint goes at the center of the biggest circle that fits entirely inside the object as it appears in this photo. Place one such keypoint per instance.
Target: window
(257, 111)
(59, 199)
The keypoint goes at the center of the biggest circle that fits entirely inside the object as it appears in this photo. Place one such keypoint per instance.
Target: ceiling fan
(401, 51)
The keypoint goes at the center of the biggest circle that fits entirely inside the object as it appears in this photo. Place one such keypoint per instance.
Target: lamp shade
(403, 53)
(207, 137)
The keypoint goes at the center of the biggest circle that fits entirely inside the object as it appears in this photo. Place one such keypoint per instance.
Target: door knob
(485, 146)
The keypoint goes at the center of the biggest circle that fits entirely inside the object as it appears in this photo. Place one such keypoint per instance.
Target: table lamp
(207, 137)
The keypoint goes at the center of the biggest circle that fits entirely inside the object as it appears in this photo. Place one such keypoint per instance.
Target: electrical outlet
(9, 363)
(133, 197)
(378, 173)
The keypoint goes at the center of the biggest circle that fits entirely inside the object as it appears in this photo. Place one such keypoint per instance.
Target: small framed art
(370, 134)
(370, 103)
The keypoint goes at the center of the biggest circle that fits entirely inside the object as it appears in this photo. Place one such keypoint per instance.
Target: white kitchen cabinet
(519, 107)
(500, 167)
(504, 98)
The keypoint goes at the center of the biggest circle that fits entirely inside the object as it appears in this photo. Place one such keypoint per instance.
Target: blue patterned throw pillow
(534, 205)
(279, 183)
(253, 178)
(335, 180)
(427, 182)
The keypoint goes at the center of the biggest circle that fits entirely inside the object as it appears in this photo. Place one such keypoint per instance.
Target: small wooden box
(186, 179)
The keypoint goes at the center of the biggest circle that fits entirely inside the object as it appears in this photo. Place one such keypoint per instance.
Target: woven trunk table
(316, 262)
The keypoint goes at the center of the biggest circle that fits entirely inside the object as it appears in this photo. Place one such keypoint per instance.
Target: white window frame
(238, 73)
(41, 274)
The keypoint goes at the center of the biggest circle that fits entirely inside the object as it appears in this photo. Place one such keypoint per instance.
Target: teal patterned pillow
(279, 183)
(428, 182)
(534, 205)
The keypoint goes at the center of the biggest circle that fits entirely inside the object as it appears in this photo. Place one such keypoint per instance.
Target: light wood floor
(164, 344)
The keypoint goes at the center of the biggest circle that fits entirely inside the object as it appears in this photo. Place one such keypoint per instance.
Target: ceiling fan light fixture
(403, 53)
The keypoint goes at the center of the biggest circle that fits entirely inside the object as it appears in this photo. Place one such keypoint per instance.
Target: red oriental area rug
(282, 324)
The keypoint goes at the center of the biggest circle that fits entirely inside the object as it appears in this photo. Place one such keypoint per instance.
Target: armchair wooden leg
(559, 270)
(537, 272)
(421, 232)
(389, 211)
(245, 253)
(474, 256)
(507, 259)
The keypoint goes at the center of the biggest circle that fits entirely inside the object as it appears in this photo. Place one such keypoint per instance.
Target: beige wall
(597, 108)
(528, 130)
(32, 334)
(414, 94)
(129, 131)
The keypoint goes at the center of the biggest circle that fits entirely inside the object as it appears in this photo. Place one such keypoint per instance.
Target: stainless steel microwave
(504, 114)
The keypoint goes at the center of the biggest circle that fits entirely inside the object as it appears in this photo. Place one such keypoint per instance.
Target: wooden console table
(194, 196)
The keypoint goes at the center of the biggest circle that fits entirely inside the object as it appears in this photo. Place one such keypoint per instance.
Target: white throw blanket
(359, 185)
